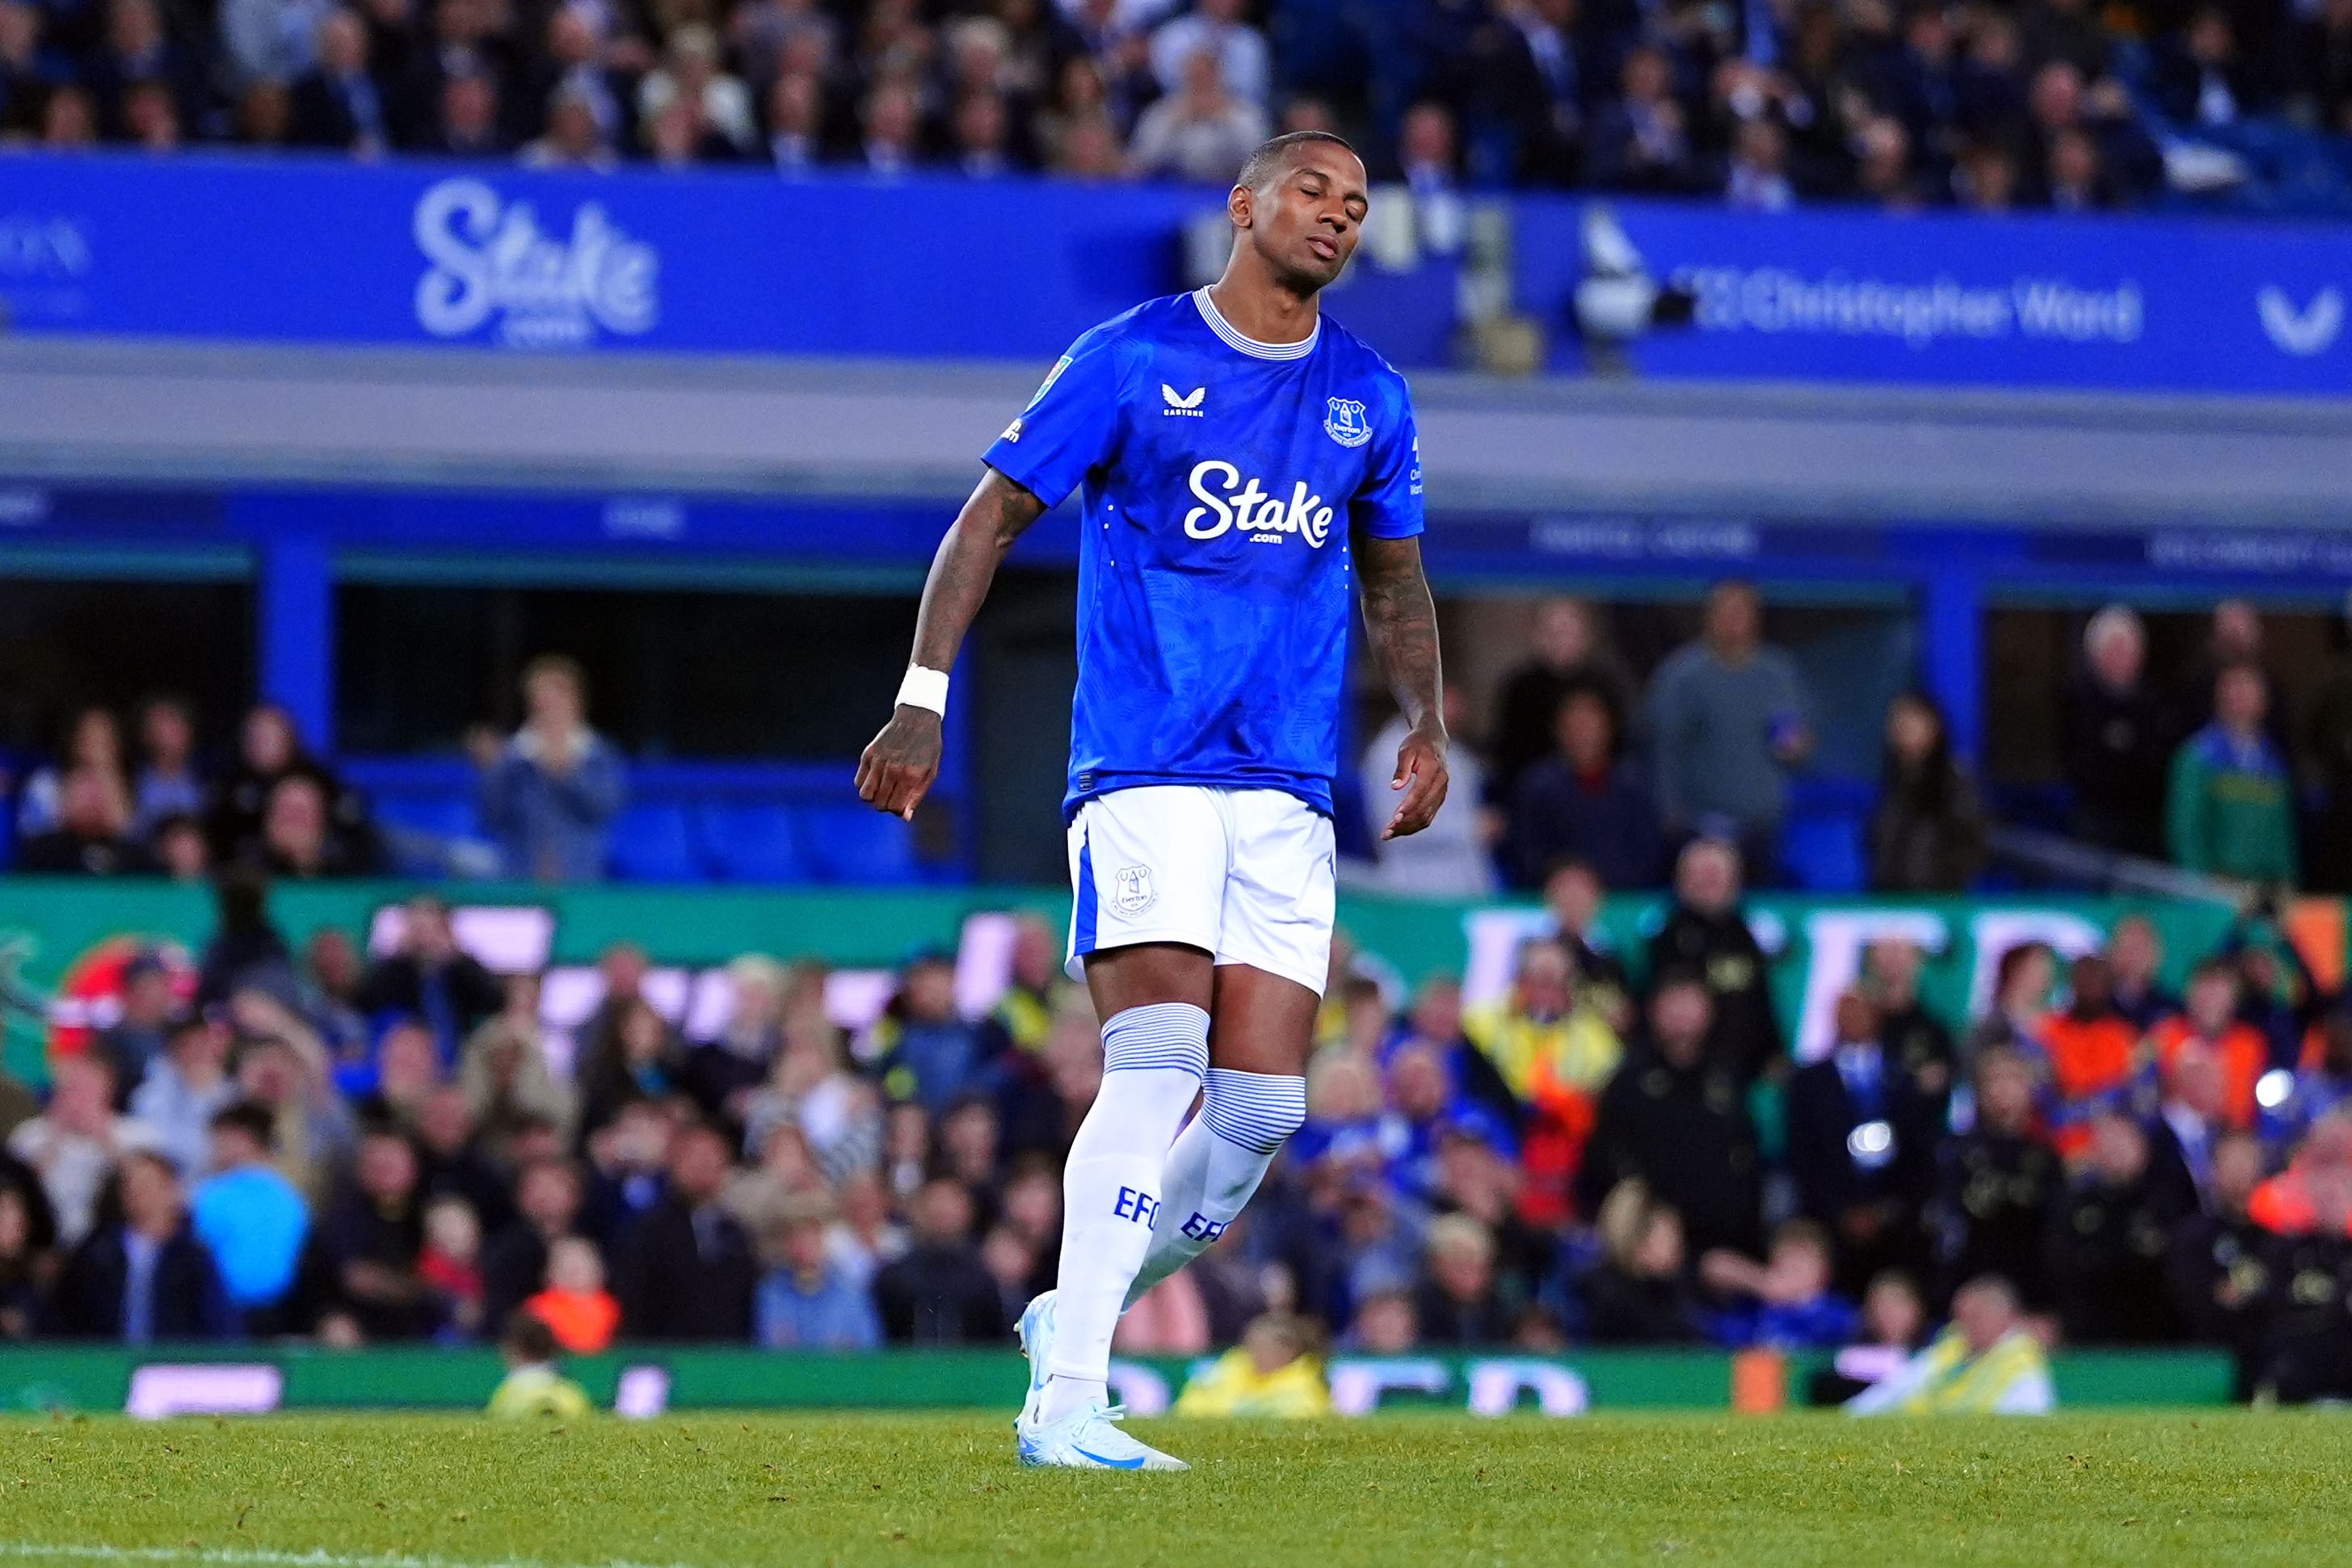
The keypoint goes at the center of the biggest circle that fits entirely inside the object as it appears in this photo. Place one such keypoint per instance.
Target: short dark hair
(1272, 157)
(528, 1338)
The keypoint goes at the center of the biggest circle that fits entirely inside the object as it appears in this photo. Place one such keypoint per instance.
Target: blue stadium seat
(444, 816)
(753, 843)
(656, 844)
(858, 843)
(1823, 853)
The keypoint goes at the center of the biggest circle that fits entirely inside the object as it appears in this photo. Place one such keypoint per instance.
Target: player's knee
(1255, 1111)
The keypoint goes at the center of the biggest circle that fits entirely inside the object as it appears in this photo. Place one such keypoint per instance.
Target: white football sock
(1217, 1163)
(1153, 1059)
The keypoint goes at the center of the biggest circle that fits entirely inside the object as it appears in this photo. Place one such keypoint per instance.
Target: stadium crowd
(2049, 103)
(319, 1145)
(1578, 758)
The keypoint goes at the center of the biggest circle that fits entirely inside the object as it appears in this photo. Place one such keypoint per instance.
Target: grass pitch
(717, 1491)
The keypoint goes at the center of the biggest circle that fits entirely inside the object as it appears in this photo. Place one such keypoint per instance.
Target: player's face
(1308, 221)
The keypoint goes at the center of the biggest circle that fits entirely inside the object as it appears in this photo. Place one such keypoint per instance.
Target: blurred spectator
(371, 1234)
(925, 1051)
(1201, 130)
(428, 977)
(252, 1218)
(1572, 892)
(1917, 1042)
(167, 786)
(1987, 1363)
(1458, 1303)
(183, 1087)
(796, 122)
(1449, 858)
(574, 139)
(1533, 84)
(2135, 964)
(2022, 981)
(1550, 1052)
(721, 1072)
(2094, 1057)
(2323, 60)
(1428, 157)
(1641, 139)
(575, 1305)
(1861, 1148)
(1677, 1119)
(180, 848)
(1568, 650)
(1277, 1370)
(2108, 1242)
(939, 1293)
(448, 1264)
(2208, 1025)
(143, 1277)
(2230, 805)
(92, 743)
(532, 1388)
(2218, 1265)
(1926, 833)
(338, 103)
(1998, 1184)
(692, 70)
(1785, 1302)
(452, 1163)
(270, 752)
(2198, 79)
(685, 1268)
(135, 1037)
(75, 1144)
(1639, 1293)
(91, 837)
(1758, 179)
(519, 1258)
(297, 842)
(1893, 1320)
(508, 1086)
(2307, 1294)
(1585, 802)
(2118, 738)
(551, 790)
(807, 1301)
(2233, 637)
(1215, 27)
(1729, 716)
(1706, 933)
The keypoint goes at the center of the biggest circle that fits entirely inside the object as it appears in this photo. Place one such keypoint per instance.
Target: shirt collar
(1251, 346)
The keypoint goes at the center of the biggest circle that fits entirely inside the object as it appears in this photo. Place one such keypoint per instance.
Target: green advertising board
(647, 1382)
(59, 935)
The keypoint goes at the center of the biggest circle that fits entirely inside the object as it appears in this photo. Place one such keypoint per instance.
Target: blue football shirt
(1220, 480)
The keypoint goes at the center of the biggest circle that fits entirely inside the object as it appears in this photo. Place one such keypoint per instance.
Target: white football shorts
(1245, 874)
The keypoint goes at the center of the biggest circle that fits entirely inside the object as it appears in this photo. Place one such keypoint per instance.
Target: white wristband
(924, 689)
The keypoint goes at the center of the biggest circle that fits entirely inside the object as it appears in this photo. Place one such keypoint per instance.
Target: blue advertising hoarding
(304, 250)
(327, 251)
(2140, 304)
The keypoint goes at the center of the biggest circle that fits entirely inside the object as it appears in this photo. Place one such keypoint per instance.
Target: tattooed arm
(900, 763)
(1403, 625)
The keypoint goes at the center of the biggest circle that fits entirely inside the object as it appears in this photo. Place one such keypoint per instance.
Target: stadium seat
(656, 844)
(1823, 853)
(753, 843)
(856, 844)
(443, 816)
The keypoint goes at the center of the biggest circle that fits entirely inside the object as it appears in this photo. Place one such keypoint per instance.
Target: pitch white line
(262, 1557)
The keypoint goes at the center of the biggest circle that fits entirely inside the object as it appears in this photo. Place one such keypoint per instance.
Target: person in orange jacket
(2210, 1020)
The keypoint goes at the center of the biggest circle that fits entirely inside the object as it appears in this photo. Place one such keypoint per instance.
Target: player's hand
(900, 763)
(1421, 774)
